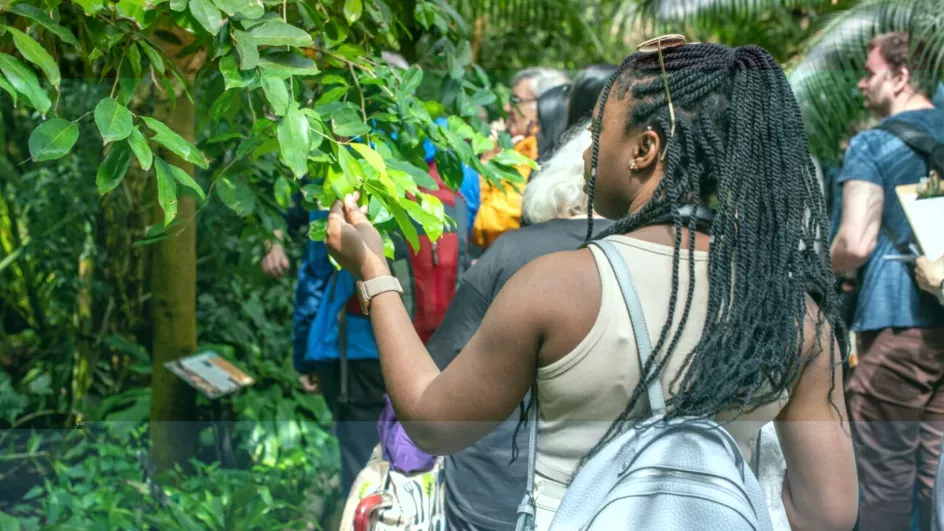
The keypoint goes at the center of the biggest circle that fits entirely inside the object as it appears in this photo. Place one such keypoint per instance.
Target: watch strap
(375, 286)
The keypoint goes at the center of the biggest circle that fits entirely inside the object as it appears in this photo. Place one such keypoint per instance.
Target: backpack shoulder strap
(638, 320)
(913, 136)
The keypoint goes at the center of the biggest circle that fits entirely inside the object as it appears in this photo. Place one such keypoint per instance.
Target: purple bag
(398, 449)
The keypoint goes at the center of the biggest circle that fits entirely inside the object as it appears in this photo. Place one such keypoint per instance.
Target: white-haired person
(483, 484)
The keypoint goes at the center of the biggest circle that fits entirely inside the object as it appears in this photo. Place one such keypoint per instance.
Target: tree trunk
(173, 305)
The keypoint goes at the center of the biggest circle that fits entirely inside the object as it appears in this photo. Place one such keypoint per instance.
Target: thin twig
(355, 65)
(118, 72)
(359, 91)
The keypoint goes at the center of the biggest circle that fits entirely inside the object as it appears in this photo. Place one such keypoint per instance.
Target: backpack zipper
(692, 476)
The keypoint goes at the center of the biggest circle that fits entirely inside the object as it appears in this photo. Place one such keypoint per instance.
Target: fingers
(922, 261)
(355, 214)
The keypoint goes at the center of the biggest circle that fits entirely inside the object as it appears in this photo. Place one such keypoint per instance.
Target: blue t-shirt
(889, 296)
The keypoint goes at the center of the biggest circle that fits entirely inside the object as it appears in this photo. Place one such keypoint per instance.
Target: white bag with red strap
(383, 499)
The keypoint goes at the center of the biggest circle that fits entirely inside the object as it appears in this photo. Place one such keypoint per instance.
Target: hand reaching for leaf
(353, 242)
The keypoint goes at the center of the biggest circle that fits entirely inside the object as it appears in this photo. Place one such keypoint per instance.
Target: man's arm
(862, 204)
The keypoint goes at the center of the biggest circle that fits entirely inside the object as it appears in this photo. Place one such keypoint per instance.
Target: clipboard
(926, 217)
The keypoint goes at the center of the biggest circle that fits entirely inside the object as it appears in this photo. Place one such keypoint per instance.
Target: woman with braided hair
(699, 154)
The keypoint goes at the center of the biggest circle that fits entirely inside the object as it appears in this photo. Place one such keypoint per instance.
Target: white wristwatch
(368, 289)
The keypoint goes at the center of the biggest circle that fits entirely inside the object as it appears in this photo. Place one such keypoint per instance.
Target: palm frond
(704, 13)
(824, 81)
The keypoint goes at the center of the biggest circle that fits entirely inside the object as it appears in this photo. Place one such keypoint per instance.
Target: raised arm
(446, 411)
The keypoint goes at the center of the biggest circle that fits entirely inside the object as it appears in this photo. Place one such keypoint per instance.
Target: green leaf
(53, 139)
(8, 523)
(156, 60)
(294, 141)
(278, 33)
(174, 142)
(113, 120)
(34, 492)
(351, 169)
(317, 230)
(178, 5)
(420, 177)
(166, 189)
(283, 193)
(134, 58)
(5, 85)
(372, 157)
(432, 226)
(230, 7)
(235, 194)
(513, 158)
(113, 168)
(142, 151)
(233, 77)
(352, 10)
(411, 80)
(333, 79)
(25, 82)
(207, 15)
(289, 63)
(405, 224)
(91, 7)
(185, 179)
(132, 10)
(276, 92)
(348, 123)
(248, 51)
(252, 10)
(335, 33)
(40, 17)
(331, 96)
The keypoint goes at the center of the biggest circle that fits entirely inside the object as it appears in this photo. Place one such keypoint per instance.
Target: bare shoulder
(560, 295)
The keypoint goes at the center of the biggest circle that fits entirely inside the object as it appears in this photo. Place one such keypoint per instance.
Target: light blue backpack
(676, 475)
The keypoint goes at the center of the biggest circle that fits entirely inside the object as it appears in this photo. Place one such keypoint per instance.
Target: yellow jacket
(500, 209)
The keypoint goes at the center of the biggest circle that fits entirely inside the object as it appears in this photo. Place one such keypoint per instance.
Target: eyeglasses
(518, 100)
(656, 45)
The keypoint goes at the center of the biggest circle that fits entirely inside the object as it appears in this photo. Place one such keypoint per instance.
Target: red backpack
(430, 276)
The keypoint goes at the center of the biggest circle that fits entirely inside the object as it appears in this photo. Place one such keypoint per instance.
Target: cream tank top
(583, 392)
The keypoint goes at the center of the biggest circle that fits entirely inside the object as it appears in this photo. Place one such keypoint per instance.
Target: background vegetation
(146, 150)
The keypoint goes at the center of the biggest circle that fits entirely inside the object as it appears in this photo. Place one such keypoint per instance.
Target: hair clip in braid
(656, 45)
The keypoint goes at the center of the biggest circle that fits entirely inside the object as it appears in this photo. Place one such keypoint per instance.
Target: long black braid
(739, 143)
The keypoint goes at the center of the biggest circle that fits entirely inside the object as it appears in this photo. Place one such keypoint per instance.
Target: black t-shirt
(482, 488)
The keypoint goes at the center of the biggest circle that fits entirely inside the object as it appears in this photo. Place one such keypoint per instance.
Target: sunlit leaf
(25, 82)
(207, 15)
(53, 139)
(352, 10)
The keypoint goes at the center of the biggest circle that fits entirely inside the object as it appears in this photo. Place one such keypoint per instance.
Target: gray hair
(556, 191)
(542, 79)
